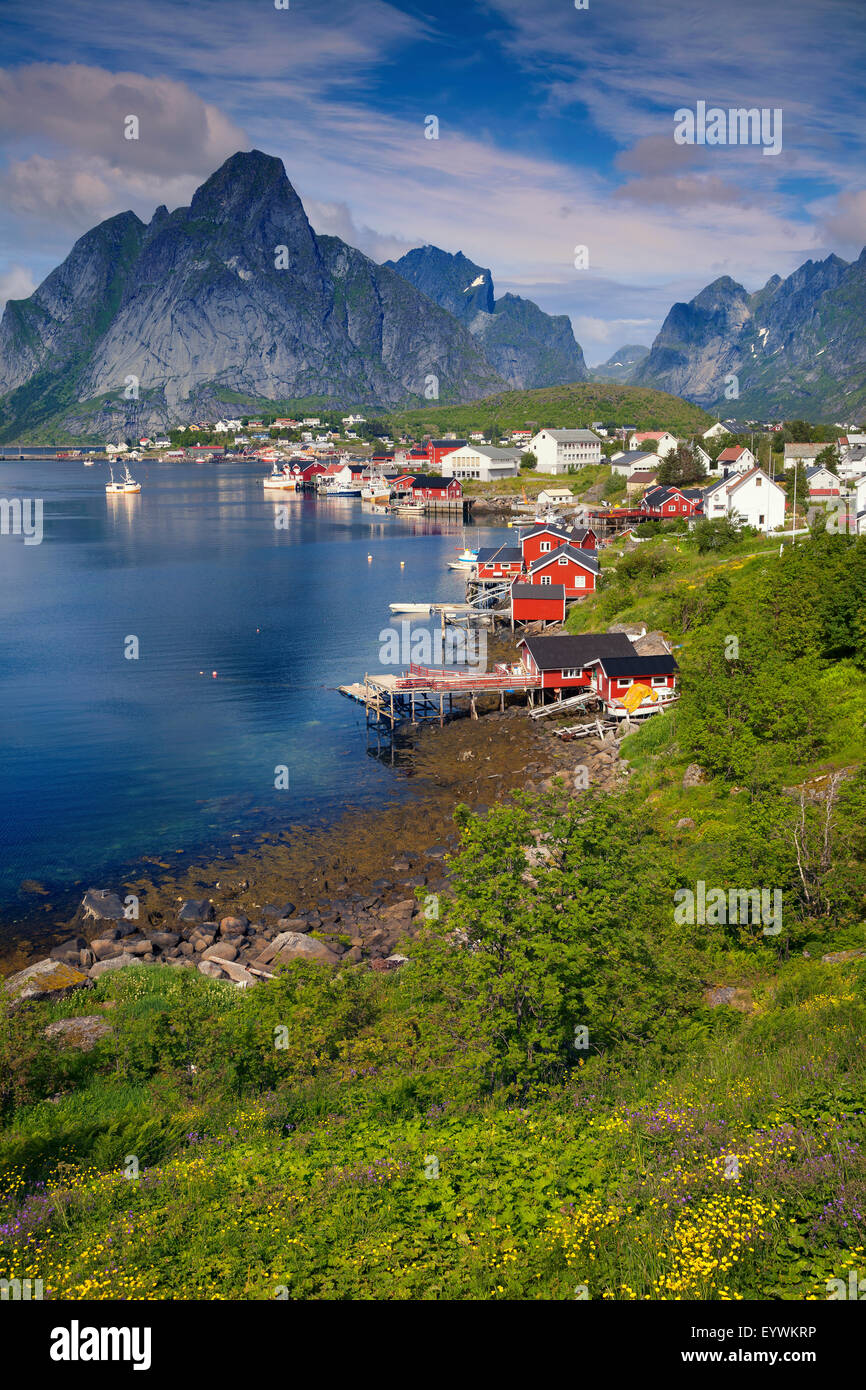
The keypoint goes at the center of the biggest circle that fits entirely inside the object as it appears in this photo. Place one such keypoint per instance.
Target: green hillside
(557, 407)
(598, 1099)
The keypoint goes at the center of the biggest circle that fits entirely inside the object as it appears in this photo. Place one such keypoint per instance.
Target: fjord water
(106, 759)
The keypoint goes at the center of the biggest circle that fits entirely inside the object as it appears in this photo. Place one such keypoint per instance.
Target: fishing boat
(334, 489)
(69, 454)
(282, 479)
(126, 485)
(378, 490)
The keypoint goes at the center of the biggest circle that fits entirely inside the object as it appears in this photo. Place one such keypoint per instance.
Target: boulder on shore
(83, 1032)
(120, 962)
(101, 905)
(46, 979)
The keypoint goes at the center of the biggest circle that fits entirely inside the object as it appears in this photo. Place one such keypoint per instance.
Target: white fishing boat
(378, 490)
(126, 485)
(281, 479)
(422, 608)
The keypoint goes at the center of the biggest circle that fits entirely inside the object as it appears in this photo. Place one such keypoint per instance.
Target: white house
(802, 453)
(822, 483)
(667, 442)
(736, 459)
(852, 463)
(483, 462)
(701, 453)
(555, 497)
(750, 499)
(715, 431)
(627, 463)
(562, 451)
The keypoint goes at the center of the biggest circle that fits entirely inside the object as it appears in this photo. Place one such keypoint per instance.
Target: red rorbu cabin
(499, 562)
(532, 603)
(613, 676)
(563, 661)
(576, 569)
(428, 487)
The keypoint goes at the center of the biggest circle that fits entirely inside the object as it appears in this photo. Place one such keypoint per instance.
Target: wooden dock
(428, 693)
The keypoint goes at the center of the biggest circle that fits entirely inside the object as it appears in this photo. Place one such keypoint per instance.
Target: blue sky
(555, 130)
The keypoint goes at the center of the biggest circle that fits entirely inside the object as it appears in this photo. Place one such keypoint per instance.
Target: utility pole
(794, 508)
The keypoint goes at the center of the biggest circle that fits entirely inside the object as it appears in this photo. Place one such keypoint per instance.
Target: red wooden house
(499, 562)
(613, 676)
(665, 503)
(532, 603)
(563, 662)
(431, 487)
(541, 540)
(576, 569)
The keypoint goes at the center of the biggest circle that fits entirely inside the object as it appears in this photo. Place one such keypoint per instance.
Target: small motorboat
(409, 508)
(466, 560)
(421, 608)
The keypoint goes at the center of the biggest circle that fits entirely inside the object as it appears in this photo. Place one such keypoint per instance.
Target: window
(660, 680)
(624, 685)
(761, 519)
(579, 581)
(563, 559)
(545, 579)
(545, 545)
(572, 674)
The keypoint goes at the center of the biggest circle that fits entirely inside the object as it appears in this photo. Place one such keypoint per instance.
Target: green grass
(574, 406)
(614, 1181)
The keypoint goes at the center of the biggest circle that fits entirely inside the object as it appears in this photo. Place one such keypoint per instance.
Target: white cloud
(16, 283)
(83, 110)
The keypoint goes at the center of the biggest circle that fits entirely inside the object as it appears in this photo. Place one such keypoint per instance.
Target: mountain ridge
(794, 348)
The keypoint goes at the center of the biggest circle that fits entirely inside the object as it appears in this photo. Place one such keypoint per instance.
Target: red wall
(566, 574)
(531, 546)
(528, 609)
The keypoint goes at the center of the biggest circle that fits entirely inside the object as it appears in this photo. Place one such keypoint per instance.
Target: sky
(555, 131)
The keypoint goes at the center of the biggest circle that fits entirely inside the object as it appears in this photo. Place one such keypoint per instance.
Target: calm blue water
(106, 759)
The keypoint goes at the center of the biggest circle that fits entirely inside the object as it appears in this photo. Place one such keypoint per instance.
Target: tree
(829, 458)
(528, 460)
(682, 467)
(715, 535)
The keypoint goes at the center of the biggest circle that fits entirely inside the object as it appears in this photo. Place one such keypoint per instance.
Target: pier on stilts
(426, 693)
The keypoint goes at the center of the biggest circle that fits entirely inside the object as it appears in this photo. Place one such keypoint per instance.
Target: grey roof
(566, 652)
(503, 553)
(661, 665)
(544, 591)
(490, 451)
(631, 454)
(548, 526)
(817, 468)
(587, 558)
(572, 436)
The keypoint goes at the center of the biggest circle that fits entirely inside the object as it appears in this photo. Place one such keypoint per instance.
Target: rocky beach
(345, 894)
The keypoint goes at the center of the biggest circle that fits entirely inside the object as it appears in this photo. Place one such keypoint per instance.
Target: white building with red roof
(666, 441)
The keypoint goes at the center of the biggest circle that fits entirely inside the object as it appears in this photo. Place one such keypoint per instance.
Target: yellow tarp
(636, 695)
